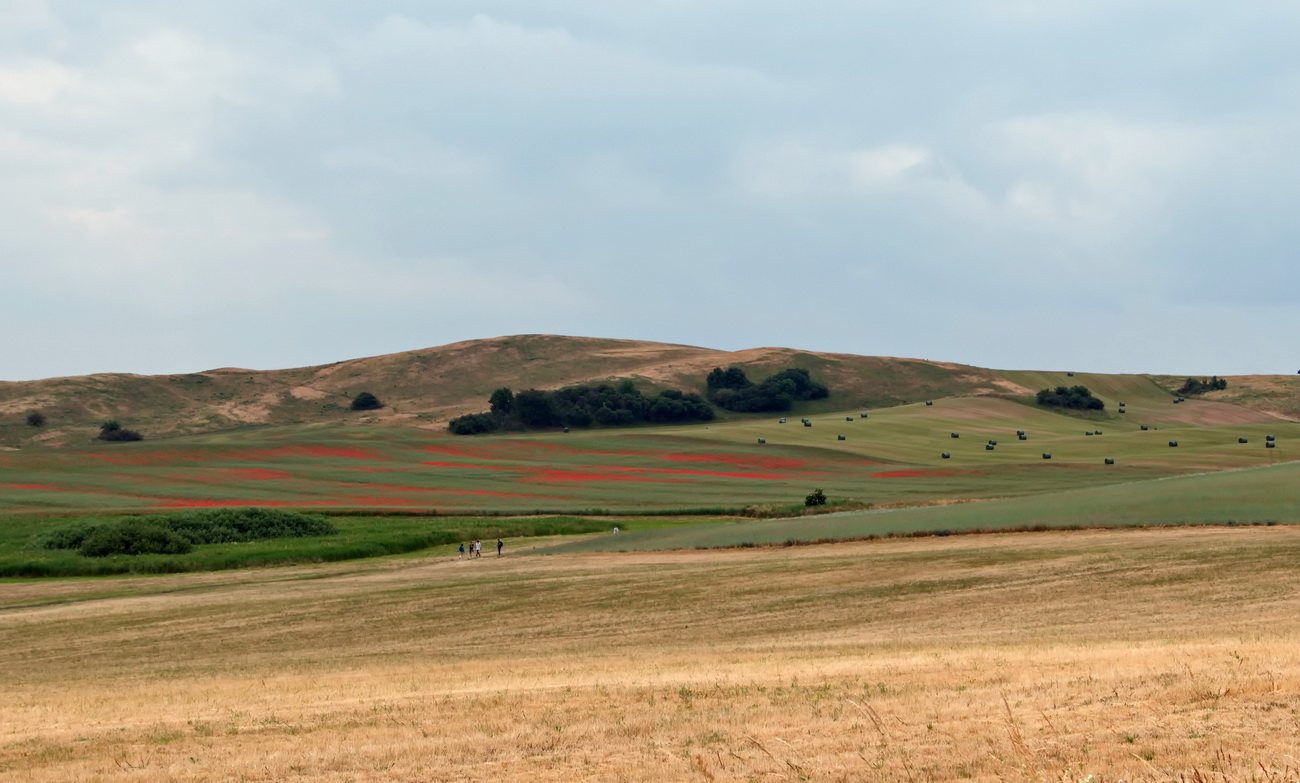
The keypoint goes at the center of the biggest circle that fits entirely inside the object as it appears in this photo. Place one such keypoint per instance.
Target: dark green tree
(35, 419)
(502, 402)
(815, 498)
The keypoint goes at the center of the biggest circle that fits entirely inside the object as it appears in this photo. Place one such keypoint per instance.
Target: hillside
(429, 386)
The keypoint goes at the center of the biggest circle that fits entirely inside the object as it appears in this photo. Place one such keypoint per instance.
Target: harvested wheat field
(1134, 655)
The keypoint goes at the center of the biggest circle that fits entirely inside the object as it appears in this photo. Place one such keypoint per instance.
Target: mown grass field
(1134, 655)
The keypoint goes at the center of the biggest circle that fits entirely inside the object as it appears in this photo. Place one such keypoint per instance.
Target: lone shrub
(35, 419)
(365, 401)
(815, 498)
(113, 432)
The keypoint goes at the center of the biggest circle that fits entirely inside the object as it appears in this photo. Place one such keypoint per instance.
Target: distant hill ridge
(429, 386)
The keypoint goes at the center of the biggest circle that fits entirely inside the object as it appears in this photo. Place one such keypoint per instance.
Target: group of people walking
(476, 549)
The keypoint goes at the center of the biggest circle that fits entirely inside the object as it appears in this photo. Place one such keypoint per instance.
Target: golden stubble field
(1135, 655)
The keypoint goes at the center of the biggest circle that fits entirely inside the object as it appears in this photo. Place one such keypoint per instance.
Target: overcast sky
(1102, 185)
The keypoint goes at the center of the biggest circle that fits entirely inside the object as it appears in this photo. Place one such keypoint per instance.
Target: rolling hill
(425, 388)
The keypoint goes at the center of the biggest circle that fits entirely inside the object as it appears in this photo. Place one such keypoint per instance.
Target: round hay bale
(848, 418)
(1089, 432)
(1269, 437)
(929, 402)
(1173, 443)
(840, 437)
(1070, 374)
(988, 447)
(1270, 444)
(1243, 440)
(1096, 432)
(1020, 432)
(1121, 410)
(992, 442)
(946, 455)
(782, 421)
(566, 429)
(762, 440)
(1023, 437)
(1110, 460)
(862, 415)
(807, 423)
(1144, 428)
(956, 435)
(1047, 455)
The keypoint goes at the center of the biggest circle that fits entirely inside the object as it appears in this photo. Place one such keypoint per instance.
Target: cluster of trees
(1074, 397)
(115, 433)
(732, 390)
(582, 406)
(1198, 386)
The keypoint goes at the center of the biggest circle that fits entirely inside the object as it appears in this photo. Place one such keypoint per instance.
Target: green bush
(815, 498)
(115, 433)
(365, 401)
(35, 419)
(1074, 398)
(133, 537)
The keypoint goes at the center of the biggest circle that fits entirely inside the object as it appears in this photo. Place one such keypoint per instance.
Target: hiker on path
(461, 556)
(499, 545)
(478, 549)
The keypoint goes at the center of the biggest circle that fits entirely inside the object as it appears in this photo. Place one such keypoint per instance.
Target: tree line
(582, 406)
(1198, 386)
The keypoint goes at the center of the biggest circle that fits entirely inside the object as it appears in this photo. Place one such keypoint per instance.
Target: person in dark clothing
(499, 545)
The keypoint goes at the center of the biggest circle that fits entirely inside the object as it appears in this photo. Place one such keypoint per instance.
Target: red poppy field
(893, 458)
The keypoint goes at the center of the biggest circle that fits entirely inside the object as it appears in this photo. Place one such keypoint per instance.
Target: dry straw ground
(1137, 655)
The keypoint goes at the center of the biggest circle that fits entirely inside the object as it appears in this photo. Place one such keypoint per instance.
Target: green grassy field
(1255, 496)
(415, 487)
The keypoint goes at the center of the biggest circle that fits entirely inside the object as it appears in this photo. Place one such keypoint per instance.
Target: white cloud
(35, 81)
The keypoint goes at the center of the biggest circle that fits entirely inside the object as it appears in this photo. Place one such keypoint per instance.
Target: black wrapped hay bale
(1173, 444)
(1089, 432)
(782, 421)
(862, 415)
(1270, 444)
(840, 437)
(1110, 460)
(1023, 437)
(1243, 440)
(848, 418)
(956, 435)
(992, 442)
(1144, 428)
(929, 402)
(1096, 432)
(762, 440)
(989, 447)
(566, 429)
(1269, 438)
(946, 455)
(1020, 432)
(807, 423)
(1047, 455)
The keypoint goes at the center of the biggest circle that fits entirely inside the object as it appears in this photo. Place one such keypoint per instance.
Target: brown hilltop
(427, 387)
